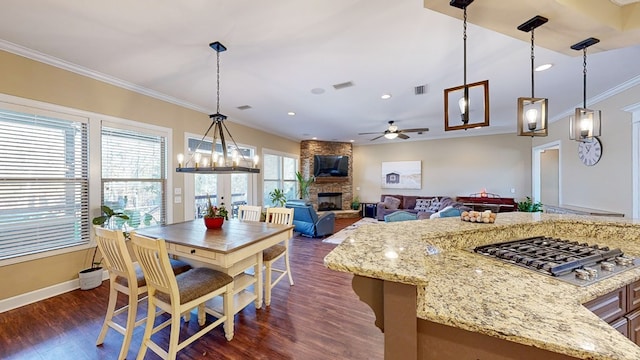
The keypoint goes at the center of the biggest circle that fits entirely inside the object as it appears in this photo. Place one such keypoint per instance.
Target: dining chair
(276, 215)
(249, 213)
(176, 294)
(125, 277)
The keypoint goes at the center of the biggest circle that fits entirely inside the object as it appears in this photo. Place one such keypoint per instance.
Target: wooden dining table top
(232, 236)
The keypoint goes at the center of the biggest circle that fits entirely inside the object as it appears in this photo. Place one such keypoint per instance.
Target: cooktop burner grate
(571, 261)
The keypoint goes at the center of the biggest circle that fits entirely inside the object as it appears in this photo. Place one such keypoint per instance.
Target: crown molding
(65, 65)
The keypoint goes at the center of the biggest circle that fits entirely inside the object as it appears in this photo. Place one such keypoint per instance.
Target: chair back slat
(114, 251)
(249, 213)
(278, 215)
(154, 260)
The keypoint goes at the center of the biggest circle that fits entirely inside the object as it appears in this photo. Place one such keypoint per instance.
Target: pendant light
(467, 101)
(585, 124)
(532, 111)
(218, 163)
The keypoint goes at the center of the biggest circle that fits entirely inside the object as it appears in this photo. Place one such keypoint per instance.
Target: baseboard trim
(41, 294)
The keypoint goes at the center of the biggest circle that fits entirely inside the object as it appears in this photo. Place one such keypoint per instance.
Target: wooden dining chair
(124, 277)
(249, 213)
(276, 215)
(178, 294)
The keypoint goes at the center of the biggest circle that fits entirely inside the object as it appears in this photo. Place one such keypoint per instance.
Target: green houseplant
(528, 205)
(91, 277)
(304, 184)
(355, 203)
(278, 197)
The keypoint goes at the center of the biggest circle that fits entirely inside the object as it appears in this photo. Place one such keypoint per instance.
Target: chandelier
(218, 163)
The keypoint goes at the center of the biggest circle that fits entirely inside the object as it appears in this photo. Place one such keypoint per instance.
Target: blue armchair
(306, 220)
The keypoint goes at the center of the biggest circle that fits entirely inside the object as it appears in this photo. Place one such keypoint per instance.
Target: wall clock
(590, 151)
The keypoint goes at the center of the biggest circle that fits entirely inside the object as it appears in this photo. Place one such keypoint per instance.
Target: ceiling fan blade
(369, 133)
(376, 138)
(403, 136)
(414, 130)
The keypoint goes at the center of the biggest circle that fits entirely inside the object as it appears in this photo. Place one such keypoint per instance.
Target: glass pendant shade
(532, 116)
(391, 135)
(584, 124)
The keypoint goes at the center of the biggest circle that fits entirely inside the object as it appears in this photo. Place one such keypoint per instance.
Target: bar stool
(177, 294)
(276, 215)
(127, 278)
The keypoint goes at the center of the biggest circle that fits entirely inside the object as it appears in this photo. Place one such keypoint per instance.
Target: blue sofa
(307, 222)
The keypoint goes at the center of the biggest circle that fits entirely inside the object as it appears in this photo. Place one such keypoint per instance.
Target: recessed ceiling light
(317, 91)
(385, 96)
(314, 138)
(351, 140)
(544, 67)
(291, 113)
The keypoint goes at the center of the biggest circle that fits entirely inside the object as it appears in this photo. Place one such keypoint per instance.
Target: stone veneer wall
(309, 148)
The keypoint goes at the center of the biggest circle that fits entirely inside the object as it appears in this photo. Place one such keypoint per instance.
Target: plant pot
(213, 222)
(90, 278)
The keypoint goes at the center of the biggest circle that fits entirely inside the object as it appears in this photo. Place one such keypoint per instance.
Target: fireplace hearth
(329, 201)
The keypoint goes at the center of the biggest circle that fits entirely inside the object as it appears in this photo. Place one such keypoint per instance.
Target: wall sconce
(532, 112)
(468, 101)
(585, 124)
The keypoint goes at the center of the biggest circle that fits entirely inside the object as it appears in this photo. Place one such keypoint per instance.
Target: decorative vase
(213, 222)
(90, 278)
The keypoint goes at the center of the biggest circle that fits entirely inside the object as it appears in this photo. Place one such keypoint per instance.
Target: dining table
(235, 249)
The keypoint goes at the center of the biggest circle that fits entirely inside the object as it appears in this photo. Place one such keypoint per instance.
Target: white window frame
(296, 159)
(95, 176)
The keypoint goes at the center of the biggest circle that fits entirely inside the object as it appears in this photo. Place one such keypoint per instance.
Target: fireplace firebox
(329, 201)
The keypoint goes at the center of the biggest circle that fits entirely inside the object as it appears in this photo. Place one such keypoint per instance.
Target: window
(280, 173)
(134, 174)
(44, 181)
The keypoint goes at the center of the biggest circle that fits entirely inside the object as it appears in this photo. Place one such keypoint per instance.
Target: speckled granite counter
(468, 291)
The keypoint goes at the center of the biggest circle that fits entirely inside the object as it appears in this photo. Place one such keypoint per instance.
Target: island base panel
(442, 342)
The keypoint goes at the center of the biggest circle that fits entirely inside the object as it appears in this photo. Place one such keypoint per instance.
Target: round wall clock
(590, 151)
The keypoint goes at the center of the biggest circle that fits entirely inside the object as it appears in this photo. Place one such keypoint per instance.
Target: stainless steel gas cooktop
(570, 261)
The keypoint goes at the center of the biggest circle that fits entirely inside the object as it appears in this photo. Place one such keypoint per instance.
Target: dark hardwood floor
(320, 317)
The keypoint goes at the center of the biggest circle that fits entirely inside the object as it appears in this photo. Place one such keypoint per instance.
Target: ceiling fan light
(391, 135)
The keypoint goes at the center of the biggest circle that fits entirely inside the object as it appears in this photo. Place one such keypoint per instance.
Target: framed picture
(401, 175)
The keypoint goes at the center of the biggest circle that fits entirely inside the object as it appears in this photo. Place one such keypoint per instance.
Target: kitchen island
(459, 304)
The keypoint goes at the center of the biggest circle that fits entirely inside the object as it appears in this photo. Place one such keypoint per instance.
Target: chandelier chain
(218, 82)
(464, 39)
(584, 76)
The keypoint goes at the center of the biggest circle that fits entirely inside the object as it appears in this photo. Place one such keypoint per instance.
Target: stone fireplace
(329, 184)
(329, 201)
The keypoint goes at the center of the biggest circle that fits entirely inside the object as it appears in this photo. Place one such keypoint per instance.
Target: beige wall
(549, 177)
(452, 167)
(608, 184)
(34, 80)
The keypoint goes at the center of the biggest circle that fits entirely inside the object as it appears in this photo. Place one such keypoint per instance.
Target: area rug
(339, 237)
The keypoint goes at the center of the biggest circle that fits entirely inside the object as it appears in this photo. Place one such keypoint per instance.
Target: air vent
(343, 85)
(244, 107)
(420, 89)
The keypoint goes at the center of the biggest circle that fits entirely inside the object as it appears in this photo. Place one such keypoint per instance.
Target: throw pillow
(450, 212)
(422, 204)
(391, 203)
(439, 213)
(435, 205)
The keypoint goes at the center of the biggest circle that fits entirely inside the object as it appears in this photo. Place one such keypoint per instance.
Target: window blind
(134, 175)
(44, 188)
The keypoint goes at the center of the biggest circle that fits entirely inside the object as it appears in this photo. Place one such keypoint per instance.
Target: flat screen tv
(330, 165)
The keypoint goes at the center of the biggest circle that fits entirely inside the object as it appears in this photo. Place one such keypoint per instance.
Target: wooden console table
(495, 204)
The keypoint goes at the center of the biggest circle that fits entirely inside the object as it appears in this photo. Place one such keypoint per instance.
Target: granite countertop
(459, 288)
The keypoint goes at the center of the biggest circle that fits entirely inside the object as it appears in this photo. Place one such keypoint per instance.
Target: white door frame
(535, 169)
(635, 158)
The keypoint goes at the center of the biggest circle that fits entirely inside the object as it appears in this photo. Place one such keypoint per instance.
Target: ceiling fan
(393, 132)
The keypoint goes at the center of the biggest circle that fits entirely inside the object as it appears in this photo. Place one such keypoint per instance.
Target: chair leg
(267, 283)
(131, 322)
(227, 300)
(111, 307)
(201, 314)
(174, 337)
(288, 267)
(148, 328)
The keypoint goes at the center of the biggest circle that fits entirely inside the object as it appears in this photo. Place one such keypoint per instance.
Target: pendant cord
(464, 40)
(584, 77)
(532, 63)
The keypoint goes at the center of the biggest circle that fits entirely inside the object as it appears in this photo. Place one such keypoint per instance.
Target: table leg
(258, 274)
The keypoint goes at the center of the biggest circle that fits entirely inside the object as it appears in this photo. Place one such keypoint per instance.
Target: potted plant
(277, 197)
(215, 215)
(304, 184)
(529, 206)
(92, 277)
(355, 203)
